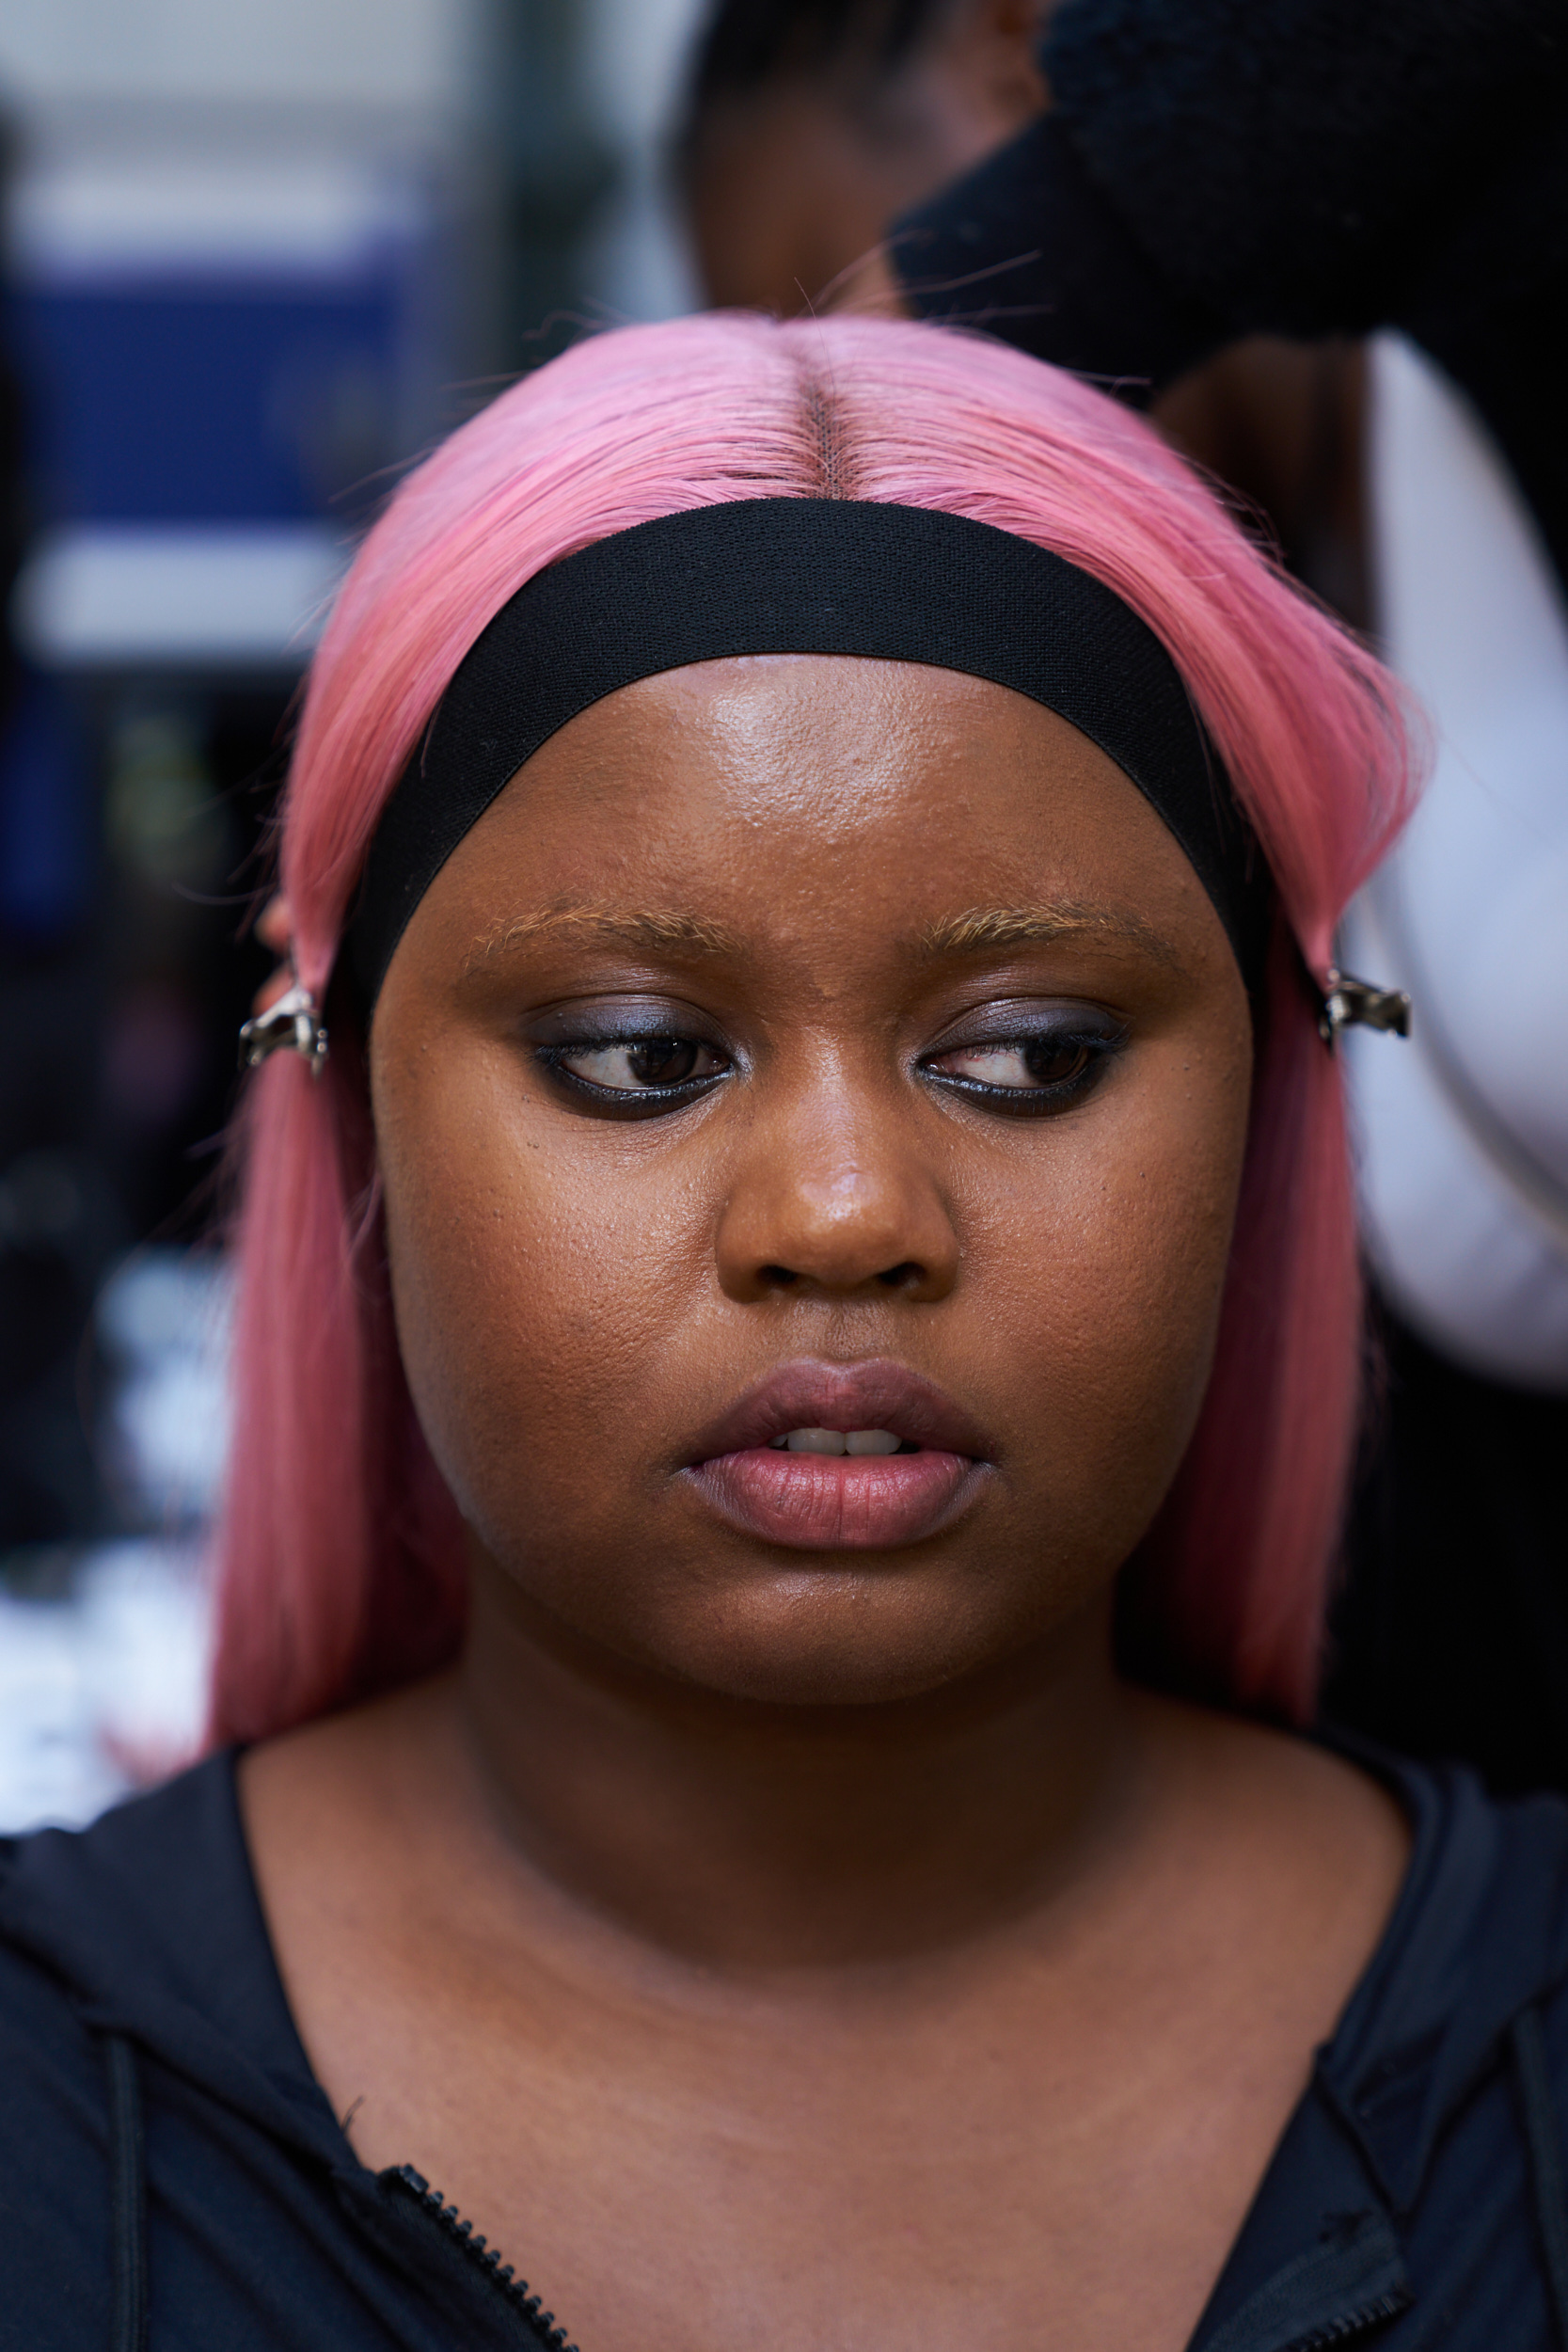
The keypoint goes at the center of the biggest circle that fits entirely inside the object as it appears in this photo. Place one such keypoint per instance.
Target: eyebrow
(655, 930)
(980, 931)
(977, 931)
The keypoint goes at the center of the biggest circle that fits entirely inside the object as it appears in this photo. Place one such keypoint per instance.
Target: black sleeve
(1217, 167)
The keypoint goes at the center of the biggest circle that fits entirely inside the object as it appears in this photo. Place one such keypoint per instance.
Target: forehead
(834, 789)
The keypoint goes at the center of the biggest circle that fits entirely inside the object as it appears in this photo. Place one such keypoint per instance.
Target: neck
(746, 1836)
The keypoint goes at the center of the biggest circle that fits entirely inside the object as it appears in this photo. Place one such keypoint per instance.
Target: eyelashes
(1043, 1068)
(627, 1066)
(635, 1077)
(1029, 1077)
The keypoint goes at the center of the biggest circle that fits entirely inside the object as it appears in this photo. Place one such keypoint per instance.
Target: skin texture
(814, 1947)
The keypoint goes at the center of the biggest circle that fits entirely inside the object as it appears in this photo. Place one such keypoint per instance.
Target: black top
(166, 2151)
(1214, 168)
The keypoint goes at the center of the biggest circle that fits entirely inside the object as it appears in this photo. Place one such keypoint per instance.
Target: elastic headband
(839, 575)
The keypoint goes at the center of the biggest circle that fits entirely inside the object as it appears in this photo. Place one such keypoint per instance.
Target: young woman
(805, 1292)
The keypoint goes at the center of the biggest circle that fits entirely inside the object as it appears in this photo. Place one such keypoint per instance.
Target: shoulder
(1469, 1984)
(43, 2038)
(143, 1927)
(91, 1917)
(54, 2145)
(91, 1900)
(1284, 1806)
(148, 1911)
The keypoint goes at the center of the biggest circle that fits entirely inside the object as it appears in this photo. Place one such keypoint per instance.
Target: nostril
(779, 1275)
(900, 1278)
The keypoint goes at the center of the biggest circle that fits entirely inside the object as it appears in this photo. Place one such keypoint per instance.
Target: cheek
(1106, 1276)
(532, 1291)
(557, 1308)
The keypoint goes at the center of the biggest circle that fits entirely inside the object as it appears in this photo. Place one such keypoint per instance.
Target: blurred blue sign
(220, 363)
(211, 402)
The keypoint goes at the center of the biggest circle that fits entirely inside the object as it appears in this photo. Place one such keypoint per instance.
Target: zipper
(1351, 2323)
(485, 2258)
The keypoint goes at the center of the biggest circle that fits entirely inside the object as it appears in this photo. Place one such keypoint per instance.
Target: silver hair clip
(1349, 1004)
(292, 1025)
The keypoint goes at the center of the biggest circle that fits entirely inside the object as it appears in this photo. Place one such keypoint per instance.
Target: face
(810, 1104)
(793, 185)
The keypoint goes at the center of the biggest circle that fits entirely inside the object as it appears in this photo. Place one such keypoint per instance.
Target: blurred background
(257, 255)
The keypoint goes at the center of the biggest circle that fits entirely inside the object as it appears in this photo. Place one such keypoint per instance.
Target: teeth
(838, 1441)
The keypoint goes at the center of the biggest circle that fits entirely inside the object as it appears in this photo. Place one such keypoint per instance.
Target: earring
(292, 1025)
(1349, 1004)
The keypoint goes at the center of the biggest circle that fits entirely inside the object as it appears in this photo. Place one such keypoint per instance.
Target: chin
(836, 1639)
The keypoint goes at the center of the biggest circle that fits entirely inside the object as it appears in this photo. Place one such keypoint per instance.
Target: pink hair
(340, 1548)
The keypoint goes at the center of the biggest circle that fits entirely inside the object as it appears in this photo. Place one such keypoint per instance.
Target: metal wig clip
(292, 1025)
(1349, 1004)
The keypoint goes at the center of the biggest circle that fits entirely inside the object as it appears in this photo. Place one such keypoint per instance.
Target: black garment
(1214, 168)
(1451, 1636)
(165, 2153)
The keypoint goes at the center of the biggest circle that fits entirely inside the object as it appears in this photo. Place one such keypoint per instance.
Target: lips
(834, 1503)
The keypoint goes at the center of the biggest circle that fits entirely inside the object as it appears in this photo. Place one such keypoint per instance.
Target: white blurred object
(1464, 1132)
(83, 216)
(189, 596)
(638, 263)
(104, 1692)
(391, 53)
(164, 1320)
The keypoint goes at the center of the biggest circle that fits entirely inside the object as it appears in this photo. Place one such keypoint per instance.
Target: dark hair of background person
(750, 41)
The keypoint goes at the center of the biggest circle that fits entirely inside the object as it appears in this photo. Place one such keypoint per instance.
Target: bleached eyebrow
(985, 929)
(976, 931)
(657, 931)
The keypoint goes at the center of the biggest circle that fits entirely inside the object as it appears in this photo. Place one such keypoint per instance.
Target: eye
(1028, 1075)
(636, 1074)
(629, 1065)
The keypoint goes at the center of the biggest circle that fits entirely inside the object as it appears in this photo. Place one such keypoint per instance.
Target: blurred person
(808, 128)
(808, 125)
(1207, 169)
(800, 1190)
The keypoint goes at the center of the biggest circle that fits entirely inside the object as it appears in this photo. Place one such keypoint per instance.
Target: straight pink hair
(342, 1558)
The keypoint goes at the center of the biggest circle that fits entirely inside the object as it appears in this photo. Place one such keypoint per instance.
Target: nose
(835, 1196)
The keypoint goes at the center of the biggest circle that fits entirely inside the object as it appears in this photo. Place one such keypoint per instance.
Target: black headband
(894, 583)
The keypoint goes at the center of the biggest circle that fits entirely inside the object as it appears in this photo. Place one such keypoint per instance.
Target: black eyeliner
(624, 1101)
(1099, 1046)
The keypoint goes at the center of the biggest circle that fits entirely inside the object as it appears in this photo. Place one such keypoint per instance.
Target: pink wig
(340, 1550)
